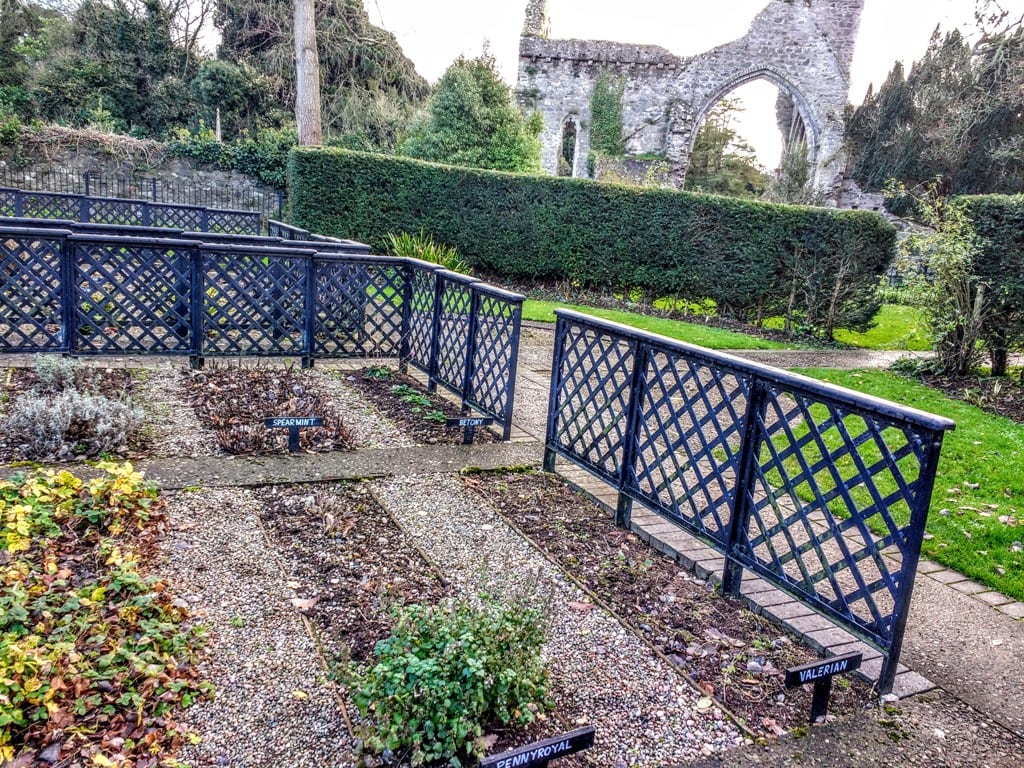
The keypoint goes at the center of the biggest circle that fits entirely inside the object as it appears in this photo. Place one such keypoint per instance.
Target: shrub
(425, 248)
(738, 253)
(69, 423)
(445, 673)
(55, 373)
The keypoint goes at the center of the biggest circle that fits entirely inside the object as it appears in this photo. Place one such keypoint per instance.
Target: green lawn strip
(974, 530)
(897, 326)
(692, 333)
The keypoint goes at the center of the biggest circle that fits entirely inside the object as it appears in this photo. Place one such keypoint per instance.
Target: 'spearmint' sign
(293, 424)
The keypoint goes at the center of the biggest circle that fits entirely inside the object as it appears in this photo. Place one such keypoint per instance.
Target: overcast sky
(433, 33)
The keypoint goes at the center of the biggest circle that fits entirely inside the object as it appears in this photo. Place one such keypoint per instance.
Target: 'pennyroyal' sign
(539, 753)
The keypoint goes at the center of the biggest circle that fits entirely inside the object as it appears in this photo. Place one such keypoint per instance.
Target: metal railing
(96, 293)
(264, 199)
(821, 491)
(109, 210)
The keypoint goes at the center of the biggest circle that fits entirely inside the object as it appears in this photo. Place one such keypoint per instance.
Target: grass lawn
(977, 513)
(693, 333)
(897, 326)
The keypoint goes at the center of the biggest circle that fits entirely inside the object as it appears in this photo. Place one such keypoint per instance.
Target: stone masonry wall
(804, 47)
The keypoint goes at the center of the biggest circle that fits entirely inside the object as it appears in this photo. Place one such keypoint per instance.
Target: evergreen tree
(721, 163)
(472, 120)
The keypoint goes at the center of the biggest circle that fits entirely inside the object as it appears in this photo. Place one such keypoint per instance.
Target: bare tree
(307, 76)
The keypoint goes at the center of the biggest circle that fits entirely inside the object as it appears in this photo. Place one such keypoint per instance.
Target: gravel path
(644, 713)
(273, 707)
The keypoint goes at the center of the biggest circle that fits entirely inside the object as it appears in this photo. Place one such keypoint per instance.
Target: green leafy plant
(411, 396)
(425, 248)
(446, 673)
(378, 373)
(437, 417)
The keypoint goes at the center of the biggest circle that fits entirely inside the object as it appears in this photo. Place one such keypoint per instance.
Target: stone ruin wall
(804, 47)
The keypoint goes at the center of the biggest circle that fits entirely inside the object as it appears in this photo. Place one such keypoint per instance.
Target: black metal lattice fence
(68, 181)
(821, 491)
(96, 293)
(17, 203)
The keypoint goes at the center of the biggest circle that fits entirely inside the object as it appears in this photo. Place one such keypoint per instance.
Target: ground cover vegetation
(816, 266)
(97, 659)
(64, 410)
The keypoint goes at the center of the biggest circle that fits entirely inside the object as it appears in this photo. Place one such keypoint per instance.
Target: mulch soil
(389, 391)
(723, 648)
(234, 402)
(1001, 395)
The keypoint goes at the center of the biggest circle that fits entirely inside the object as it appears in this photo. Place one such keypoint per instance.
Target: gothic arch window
(567, 148)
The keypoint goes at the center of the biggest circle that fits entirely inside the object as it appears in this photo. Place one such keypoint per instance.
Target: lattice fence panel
(7, 202)
(421, 316)
(688, 441)
(593, 391)
(831, 503)
(358, 309)
(132, 298)
(187, 218)
(43, 205)
(105, 210)
(495, 358)
(453, 333)
(254, 305)
(30, 293)
(234, 222)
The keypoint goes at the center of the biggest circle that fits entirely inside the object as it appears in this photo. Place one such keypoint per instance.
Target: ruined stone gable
(804, 47)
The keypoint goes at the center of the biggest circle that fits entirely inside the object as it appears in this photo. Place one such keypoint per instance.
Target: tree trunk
(307, 76)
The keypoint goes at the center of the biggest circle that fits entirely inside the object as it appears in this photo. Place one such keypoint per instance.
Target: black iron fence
(108, 210)
(821, 491)
(96, 293)
(263, 199)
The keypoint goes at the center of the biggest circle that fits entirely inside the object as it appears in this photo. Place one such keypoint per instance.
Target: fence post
(435, 332)
(19, 203)
(198, 304)
(147, 215)
(83, 209)
(474, 326)
(510, 392)
(153, 187)
(67, 291)
(310, 302)
(732, 574)
(918, 518)
(624, 505)
(554, 397)
(409, 281)
(88, 178)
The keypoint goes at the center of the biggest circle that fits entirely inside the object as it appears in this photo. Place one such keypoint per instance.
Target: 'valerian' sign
(816, 670)
(539, 753)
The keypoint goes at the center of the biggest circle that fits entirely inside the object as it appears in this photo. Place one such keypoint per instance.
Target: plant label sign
(293, 424)
(538, 754)
(820, 673)
(466, 421)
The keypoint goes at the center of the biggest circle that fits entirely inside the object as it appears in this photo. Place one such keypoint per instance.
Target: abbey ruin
(804, 47)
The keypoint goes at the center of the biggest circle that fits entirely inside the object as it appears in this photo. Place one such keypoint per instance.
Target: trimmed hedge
(753, 259)
(998, 220)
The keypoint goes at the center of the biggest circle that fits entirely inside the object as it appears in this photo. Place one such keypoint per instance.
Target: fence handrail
(834, 392)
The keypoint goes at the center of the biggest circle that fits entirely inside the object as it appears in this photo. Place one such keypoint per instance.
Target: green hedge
(999, 222)
(751, 258)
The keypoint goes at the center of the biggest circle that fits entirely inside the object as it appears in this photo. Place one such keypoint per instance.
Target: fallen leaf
(704, 704)
(707, 687)
(582, 606)
(300, 695)
(486, 742)
(304, 605)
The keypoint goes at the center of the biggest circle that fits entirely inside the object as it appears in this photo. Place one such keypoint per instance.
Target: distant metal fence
(18, 203)
(264, 199)
(96, 293)
(821, 491)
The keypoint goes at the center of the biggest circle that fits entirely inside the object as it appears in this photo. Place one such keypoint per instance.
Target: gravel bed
(369, 428)
(173, 424)
(644, 712)
(273, 706)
